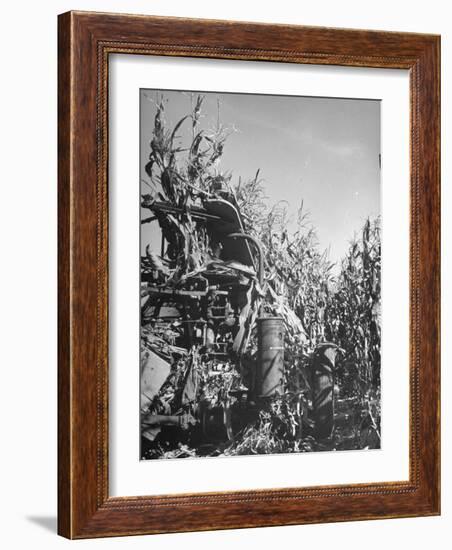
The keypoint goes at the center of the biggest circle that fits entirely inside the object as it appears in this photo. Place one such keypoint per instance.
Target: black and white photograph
(260, 274)
(229, 231)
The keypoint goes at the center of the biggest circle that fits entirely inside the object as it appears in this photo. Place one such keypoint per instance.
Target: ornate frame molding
(85, 42)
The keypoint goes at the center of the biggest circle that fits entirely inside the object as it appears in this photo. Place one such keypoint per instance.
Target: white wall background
(28, 282)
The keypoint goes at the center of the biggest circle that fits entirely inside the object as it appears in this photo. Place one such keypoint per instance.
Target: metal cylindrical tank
(270, 357)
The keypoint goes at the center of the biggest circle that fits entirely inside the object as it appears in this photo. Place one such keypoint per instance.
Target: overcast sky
(323, 151)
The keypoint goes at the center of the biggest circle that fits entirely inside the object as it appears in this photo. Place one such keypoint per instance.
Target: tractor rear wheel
(323, 389)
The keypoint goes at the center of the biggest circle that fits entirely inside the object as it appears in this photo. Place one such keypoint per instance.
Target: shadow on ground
(49, 523)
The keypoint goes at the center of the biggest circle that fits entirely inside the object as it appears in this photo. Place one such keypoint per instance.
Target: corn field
(201, 386)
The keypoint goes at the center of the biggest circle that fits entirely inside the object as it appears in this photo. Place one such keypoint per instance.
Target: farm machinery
(213, 348)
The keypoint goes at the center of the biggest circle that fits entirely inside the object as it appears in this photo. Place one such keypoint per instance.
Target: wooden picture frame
(85, 42)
